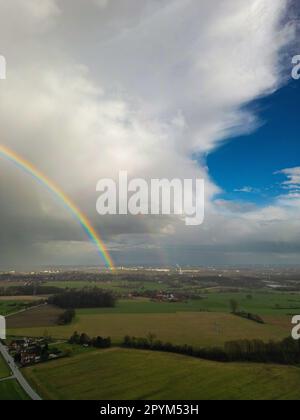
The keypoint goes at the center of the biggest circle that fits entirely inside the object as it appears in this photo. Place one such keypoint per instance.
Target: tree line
(85, 298)
(234, 305)
(252, 317)
(29, 290)
(84, 340)
(285, 352)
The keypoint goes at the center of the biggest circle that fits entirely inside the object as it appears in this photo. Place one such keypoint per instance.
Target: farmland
(10, 390)
(262, 303)
(40, 316)
(199, 322)
(197, 329)
(131, 374)
(172, 308)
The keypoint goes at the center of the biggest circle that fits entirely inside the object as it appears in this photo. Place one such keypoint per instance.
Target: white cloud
(246, 189)
(293, 177)
(139, 86)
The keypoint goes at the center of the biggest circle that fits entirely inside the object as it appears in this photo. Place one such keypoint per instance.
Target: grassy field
(4, 371)
(182, 323)
(262, 303)
(10, 390)
(197, 329)
(259, 303)
(132, 374)
(11, 306)
(135, 375)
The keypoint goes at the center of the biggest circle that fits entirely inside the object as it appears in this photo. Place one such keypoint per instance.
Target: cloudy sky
(162, 89)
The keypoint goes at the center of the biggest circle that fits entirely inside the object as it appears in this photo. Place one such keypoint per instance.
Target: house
(166, 297)
(30, 356)
(28, 351)
(17, 345)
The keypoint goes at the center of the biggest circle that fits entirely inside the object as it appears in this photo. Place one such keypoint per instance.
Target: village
(29, 351)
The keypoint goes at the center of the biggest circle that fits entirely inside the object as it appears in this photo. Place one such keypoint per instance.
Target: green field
(11, 306)
(135, 375)
(258, 302)
(261, 303)
(4, 371)
(10, 390)
(144, 306)
(201, 322)
(197, 329)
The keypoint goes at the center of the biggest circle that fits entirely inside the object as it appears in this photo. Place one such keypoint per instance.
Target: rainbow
(30, 169)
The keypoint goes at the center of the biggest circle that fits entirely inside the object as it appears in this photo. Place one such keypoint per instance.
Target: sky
(162, 89)
(275, 145)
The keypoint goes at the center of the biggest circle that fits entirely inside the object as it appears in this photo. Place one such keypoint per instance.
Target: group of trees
(285, 352)
(234, 306)
(66, 317)
(84, 340)
(29, 290)
(85, 298)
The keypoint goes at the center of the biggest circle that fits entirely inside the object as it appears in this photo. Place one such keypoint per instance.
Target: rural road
(18, 375)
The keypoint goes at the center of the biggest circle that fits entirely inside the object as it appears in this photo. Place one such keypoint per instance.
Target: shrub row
(84, 340)
(286, 352)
